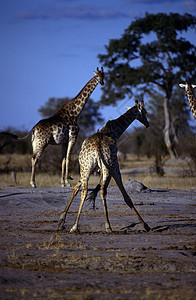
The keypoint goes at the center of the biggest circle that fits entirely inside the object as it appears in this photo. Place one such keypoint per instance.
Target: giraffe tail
(92, 196)
(24, 137)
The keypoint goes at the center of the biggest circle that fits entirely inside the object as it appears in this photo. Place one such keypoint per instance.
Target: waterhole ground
(39, 262)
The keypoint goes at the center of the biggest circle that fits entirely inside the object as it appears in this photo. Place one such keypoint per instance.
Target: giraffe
(191, 98)
(100, 150)
(61, 128)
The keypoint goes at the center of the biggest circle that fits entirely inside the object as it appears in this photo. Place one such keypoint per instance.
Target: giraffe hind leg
(34, 161)
(83, 197)
(32, 180)
(38, 148)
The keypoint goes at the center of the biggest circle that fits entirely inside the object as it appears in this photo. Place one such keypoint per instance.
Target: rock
(135, 186)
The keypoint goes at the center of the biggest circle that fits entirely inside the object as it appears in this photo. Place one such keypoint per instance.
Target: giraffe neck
(192, 100)
(116, 127)
(76, 105)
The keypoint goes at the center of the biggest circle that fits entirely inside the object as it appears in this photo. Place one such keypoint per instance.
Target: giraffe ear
(182, 85)
(95, 73)
(127, 107)
(193, 86)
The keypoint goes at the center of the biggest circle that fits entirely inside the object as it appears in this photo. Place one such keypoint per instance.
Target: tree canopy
(153, 56)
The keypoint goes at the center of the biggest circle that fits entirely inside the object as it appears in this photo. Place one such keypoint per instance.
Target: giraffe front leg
(117, 176)
(67, 149)
(63, 215)
(63, 173)
(64, 153)
(64, 176)
(83, 197)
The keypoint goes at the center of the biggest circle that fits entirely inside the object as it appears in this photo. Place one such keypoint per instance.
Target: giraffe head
(189, 93)
(100, 75)
(187, 85)
(140, 113)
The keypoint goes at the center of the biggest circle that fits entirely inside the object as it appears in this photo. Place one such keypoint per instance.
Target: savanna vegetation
(145, 63)
(38, 262)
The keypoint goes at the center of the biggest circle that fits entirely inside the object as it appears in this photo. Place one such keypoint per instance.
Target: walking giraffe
(100, 150)
(61, 128)
(191, 98)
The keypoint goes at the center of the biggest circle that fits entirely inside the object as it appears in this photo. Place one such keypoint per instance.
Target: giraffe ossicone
(100, 150)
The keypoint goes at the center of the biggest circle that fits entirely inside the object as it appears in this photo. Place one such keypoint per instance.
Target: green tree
(151, 55)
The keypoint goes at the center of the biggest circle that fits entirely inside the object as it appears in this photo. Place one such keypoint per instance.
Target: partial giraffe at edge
(190, 95)
(61, 128)
(100, 151)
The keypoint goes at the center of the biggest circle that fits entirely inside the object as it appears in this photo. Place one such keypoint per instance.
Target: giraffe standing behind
(100, 150)
(61, 128)
(191, 98)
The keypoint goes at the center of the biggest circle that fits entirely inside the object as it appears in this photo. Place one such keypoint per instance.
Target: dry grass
(23, 162)
(15, 161)
(165, 182)
(151, 181)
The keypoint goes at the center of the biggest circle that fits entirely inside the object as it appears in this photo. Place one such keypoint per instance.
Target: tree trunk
(167, 137)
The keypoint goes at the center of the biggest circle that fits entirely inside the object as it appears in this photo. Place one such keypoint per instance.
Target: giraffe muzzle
(147, 125)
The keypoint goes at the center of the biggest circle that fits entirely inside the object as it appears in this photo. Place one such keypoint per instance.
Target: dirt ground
(39, 262)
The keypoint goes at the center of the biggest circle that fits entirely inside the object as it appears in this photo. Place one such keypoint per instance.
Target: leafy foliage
(150, 53)
(152, 56)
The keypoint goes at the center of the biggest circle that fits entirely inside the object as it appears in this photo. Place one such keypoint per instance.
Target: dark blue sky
(49, 49)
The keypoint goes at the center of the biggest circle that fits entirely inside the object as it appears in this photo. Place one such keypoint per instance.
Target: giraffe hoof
(74, 229)
(147, 228)
(60, 225)
(33, 184)
(108, 230)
